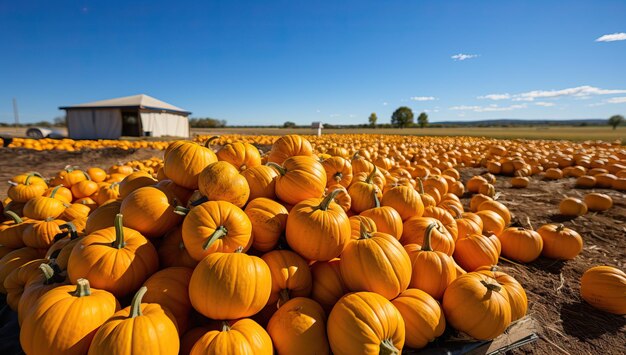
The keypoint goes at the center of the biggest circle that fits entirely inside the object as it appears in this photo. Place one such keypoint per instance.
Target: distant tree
(289, 124)
(206, 123)
(616, 120)
(59, 121)
(402, 117)
(422, 119)
(372, 119)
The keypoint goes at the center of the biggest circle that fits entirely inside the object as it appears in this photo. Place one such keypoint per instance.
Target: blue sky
(253, 62)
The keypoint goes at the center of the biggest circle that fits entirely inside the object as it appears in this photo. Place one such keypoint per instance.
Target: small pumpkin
(11, 231)
(150, 211)
(269, 221)
(423, 317)
(48, 277)
(477, 250)
(42, 207)
(338, 171)
(291, 276)
(560, 242)
(134, 181)
(169, 288)
(328, 285)
(184, 161)
(405, 200)
(492, 222)
(387, 219)
(241, 155)
(301, 177)
(520, 244)
(598, 202)
(289, 146)
(221, 181)
(15, 259)
(261, 181)
(242, 337)
(364, 194)
(515, 292)
(604, 287)
(572, 207)
(26, 186)
(415, 232)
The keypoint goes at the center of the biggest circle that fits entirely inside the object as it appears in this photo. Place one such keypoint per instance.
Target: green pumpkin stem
(225, 326)
(369, 177)
(338, 176)
(239, 249)
(220, 232)
(54, 191)
(27, 182)
(199, 201)
(135, 305)
(13, 216)
(491, 287)
(376, 199)
(71, 228)
(183, 211)
(457, 212)
(327, 200)
(387, 348)
(119, 242)
(363, 232)
(208, 142)
(560, 228)
(420, 186)
(86, 175)
(82, 288)
(47, 271)
(427, 237)
(282, 171)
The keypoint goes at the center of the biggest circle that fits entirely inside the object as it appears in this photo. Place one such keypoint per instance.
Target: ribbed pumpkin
(359, 222)
(134, 181)
(249, 285)
(405, 200)
(172, 251)
(269, 220)
(423, 317)
(572, 207)
(477, 200)
(300, 178)
(242, 337)
(299, 327)
(11, 231)
(42, 234)
(145, 327)
(415, 229)
(432, 271)
(14, 282)
(477, 250)
(365, 194)
(291, 276)
(520, 244)
(515, 291)
(492, 222)
(65, 319)
(216, 226)
(221, 181)
(181, 194)
(445, 218)
(604, 288)
(338, 171)
(42, 207)
(26, 186)
(365, 323)
(289, 146)
(117, 259)
(183, 162)
(328, 286)
(102, 217)
(74, 211)
(150, 211)
(261, 181)
(376, 262)
(560, 242)
(47, 278)
(318, 229)
(598, 202)
(15, 259)
(498, 208)
(477, 305)
(241, 155)
(169, 288)
(467, 223)
(387, 219)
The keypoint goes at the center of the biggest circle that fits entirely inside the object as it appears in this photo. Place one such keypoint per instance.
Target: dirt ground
(568, 325)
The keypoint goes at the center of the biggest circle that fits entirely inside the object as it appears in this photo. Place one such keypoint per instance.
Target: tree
(206, 123)
(289, 124)
(616, 120)
(373, 118)
(422, 119)
(402, 117)
(59, 121)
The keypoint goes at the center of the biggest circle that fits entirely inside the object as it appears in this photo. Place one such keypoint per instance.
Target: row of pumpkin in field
(400, 244)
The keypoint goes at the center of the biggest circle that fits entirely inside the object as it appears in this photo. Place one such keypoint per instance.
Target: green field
(604, 133)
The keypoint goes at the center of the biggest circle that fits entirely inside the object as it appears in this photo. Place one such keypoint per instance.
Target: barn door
(131, 124)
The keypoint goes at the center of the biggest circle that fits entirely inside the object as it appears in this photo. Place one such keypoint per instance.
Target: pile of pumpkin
(76, 145)
(293, 252)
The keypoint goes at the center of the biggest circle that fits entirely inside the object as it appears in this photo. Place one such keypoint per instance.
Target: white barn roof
(140, 101)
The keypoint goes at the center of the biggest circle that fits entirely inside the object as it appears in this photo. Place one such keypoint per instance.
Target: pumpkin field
(297, 244)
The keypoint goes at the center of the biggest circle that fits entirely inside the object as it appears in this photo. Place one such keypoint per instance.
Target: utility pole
(16, 114)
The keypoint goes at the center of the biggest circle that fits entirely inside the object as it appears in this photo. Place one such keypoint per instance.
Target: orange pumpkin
(604, 287)
(289, 146)
(477, 250)
(48, 277)
(301, 177)
(338, 171)
(415, 232)
(328, 286)
(498, 208)
(387, 219)
(241, 155)
(492, 222)
(16, 258)
(423, 317)
(520, 244)
(172, 251)
(364, 194)
(572, 207)
(560, 242)
(515, 292)
(598, 202)
(291, 276)
(269, 220)
(221, 181)
(244, 337)
(150, 211)
(261, 181)
(184, 161)
(169, 288)
(134, 181)
(405, 200)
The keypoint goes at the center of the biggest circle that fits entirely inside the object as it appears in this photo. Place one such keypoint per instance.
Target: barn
(134, 116)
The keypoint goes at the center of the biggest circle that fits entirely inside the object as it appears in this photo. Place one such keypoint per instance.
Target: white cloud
(495, 97)
(621, 36)
(462, 56)
(544, 104)
(490, 108)
(616, 100)
(422, 98)
(385, 103)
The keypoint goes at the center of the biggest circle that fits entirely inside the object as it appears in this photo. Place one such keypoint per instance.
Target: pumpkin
(249, 285)
(261, 181)
(47, 278)
(477, 305)
(342, 198)
(477, 250)
(26, 186)
(134, 181)
(386, 218)
(364, 194)
(416, 228)
(492, 222)
(585, 182)
(74, 211)
(477, 200)
(365, 323)
(497, 207)
(427, 200)
(15, 259)
(241, 155)
(359, 222)
(515, 291)
(222, 181)
(520, 244)
(59, 192)
(189, 339)
(405, 200)
(216, 226)
(560, 242)
(42, 207)
(473, 184)
(328, 286)
(14, 282)
(184, 161)
(572, 207)
(520, 182)
(269, 220)
(96, 174)
(102, 217)
(423, 317)
(289, 146)
(172, 251)
(65, 319)
(432, 271)
(376, 262)
(298, 327)
(301, 177)
(150, 211)
(338, 171)
(12, 230)
(117, 259)
(445, 217)
(598, 202)
(145, 326)
(291, 276)
(318, 229)
(42, 234)
(604, 287)
(243, 337)
(467, 223)
(84, 188)
(169, 288)
(181, 195)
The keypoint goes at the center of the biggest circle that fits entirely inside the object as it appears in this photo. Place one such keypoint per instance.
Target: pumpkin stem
(327, 200)
(86, 176)
(560, 228)
(387, 348)
(27, 182)
(369, 177)
(54, 191)
(82, 288)
(376, 200)
(135, 305)
(427, 237)
(199, 201)
(225, 326)
(220, 232)
(338, 176)
(71, 228)
(281, 170)
(119, 242)
(363, 232)
(48, 273)
(208, 142)
(420, 186)
(491, 287)
(12, 183)
(13, 216)
(239, 249)
(457, 212)
(283, 297)
(183, 211)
